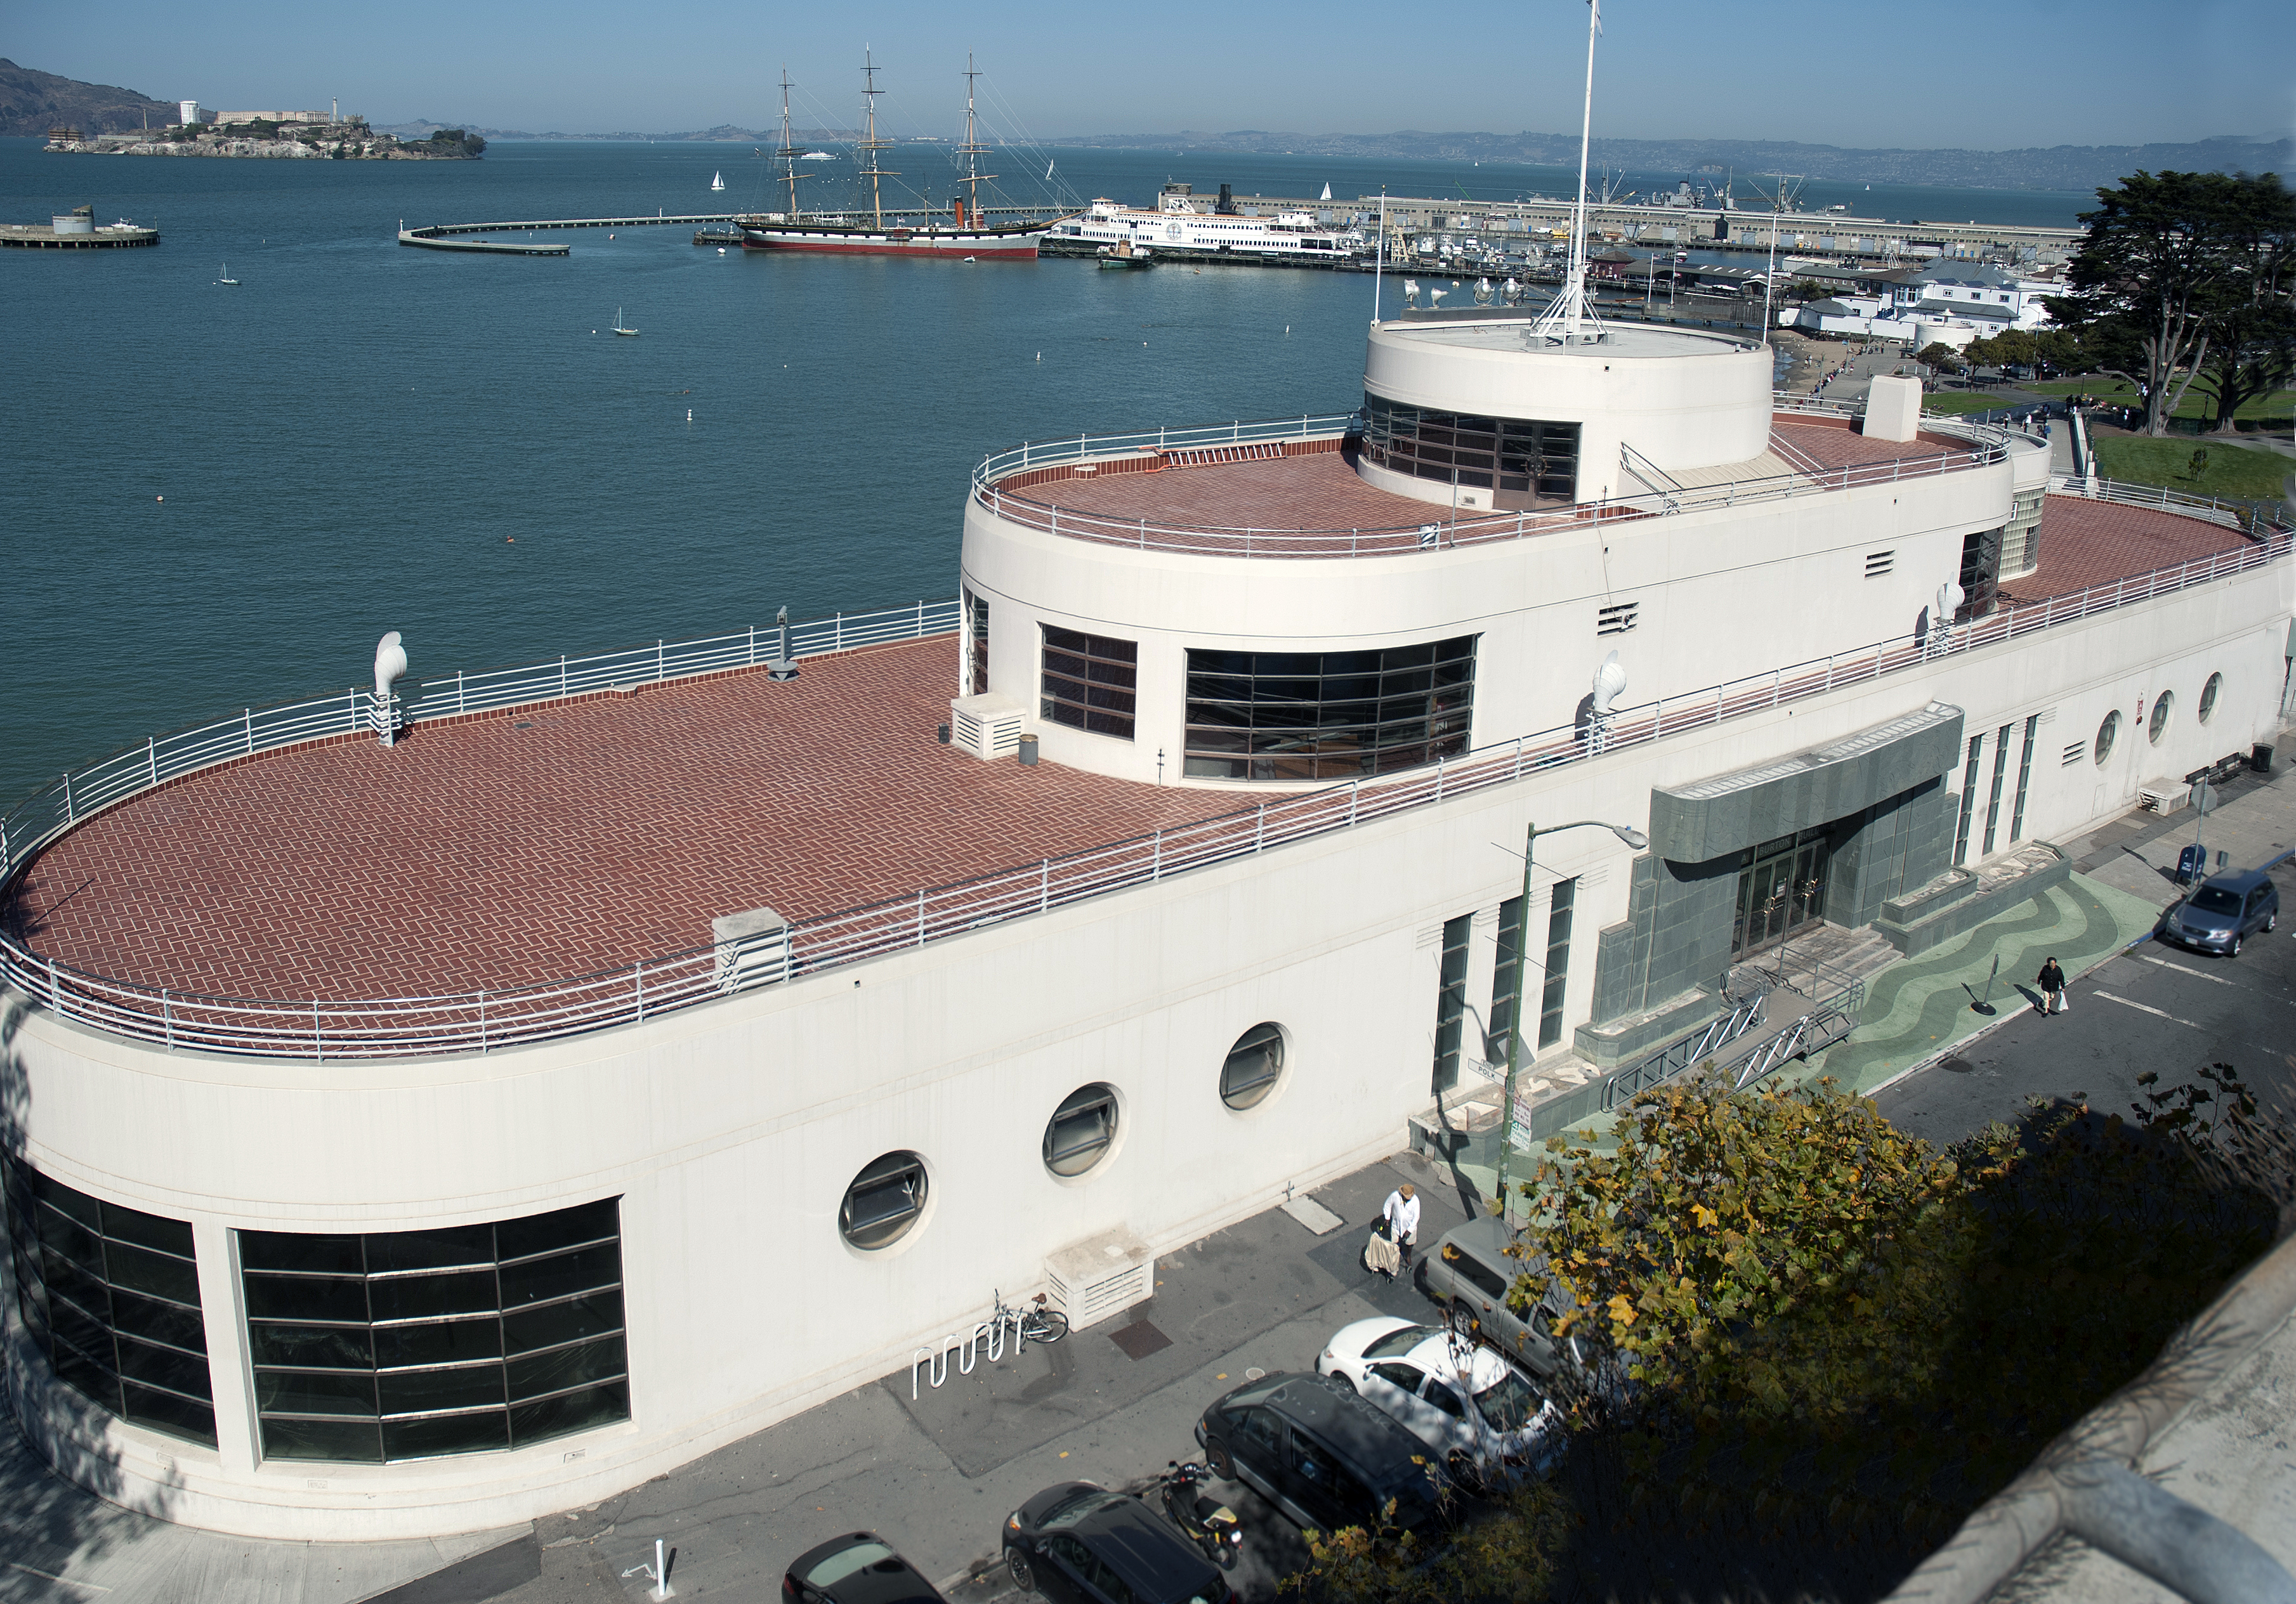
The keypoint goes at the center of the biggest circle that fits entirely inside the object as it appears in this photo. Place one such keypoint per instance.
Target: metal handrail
(1389, 540)
(60, 805)
(480, 1021)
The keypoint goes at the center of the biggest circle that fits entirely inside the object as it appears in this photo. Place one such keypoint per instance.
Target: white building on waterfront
(416, 1139)
(1951, 302)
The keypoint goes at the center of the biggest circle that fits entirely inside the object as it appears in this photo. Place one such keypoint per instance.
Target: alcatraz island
(310, 135)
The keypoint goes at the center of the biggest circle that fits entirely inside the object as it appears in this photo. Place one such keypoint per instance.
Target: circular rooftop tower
(1487, 413)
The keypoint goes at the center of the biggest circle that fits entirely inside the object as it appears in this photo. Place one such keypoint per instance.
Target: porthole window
(1082, 1129)
(2163, 705)
(885, 1201)
(2107, 733)
(1254, 1065)
(2209, 697)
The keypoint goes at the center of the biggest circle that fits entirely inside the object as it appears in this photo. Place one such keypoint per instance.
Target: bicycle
(1036, 1320)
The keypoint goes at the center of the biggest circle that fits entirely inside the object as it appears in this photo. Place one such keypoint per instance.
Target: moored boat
(966, 235)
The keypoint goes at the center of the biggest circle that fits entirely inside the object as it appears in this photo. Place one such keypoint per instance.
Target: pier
(446, 236)
(46, 236)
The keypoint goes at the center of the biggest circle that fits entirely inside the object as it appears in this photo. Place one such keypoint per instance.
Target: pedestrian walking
(2051, 982)
(1401, 1213)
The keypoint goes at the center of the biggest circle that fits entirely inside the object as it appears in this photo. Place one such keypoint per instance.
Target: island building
(417, 1122)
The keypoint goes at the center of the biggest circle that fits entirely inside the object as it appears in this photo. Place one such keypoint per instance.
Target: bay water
(219, 495)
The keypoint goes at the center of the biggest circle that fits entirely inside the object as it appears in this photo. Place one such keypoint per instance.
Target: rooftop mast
(869, 144)
(1563, 319)
(971, 149)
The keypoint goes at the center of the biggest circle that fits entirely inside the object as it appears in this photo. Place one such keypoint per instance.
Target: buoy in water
(159, 498)
(721, 250)
(689, 414)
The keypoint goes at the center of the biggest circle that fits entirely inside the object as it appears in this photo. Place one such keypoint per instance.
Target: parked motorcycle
(1211, 1526)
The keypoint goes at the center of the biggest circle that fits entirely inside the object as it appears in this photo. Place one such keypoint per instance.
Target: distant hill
(33, 102)
(2057, 167)
(724, 134)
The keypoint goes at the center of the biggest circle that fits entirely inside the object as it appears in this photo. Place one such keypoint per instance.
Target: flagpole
(1379, 258)
(1576, 288)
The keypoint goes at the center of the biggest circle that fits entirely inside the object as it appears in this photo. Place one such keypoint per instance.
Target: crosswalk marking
(2147, 1008)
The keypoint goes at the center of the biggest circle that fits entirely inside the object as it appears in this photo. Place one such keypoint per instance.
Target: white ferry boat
(1180, 226)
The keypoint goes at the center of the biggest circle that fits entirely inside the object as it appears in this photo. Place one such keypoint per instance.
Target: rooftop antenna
(1570, 311)
(1788, 186)
(1379, 258)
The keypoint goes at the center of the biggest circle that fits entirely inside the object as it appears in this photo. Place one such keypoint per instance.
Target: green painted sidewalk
(1918, 1008)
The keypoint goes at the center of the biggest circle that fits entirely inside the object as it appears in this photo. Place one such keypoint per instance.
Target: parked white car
(1486, 1417)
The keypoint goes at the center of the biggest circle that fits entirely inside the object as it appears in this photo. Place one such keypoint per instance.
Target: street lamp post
(1632, 838)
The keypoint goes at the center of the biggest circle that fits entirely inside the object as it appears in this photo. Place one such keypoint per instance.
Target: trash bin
(1027, 751)
(2260, 757)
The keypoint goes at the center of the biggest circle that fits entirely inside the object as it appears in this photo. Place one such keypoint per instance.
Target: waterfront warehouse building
(414, 1138)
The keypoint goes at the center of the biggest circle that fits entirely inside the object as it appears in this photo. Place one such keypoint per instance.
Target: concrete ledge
(1940, 894)
(1970, 908)
(1615, 1042)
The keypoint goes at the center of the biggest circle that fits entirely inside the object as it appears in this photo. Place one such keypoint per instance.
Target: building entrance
(1780, 886)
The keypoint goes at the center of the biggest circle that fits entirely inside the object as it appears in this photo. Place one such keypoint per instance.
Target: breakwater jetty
(448, 236)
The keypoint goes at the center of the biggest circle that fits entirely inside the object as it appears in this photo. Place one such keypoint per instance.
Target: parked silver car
(1469, 1272)
(2222, 912)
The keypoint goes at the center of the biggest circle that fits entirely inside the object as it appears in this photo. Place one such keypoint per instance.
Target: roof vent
(1878, 563)
(987, 725)
(1618, 620)
(753, 948)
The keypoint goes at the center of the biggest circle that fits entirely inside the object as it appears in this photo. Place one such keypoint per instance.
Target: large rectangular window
(1506, 977)
(110, 1296)
(2024, 778)
(1451, 1000)
(976, 645)
(1328, 715)
(1993, 802)
(1090, 682)
(1523, 460)
(1558, 962)
(1968, 800)
(412, 1344)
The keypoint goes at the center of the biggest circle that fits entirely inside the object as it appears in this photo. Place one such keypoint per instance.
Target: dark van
(1319, 1454)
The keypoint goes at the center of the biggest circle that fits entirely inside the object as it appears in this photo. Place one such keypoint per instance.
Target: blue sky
(1979, 73)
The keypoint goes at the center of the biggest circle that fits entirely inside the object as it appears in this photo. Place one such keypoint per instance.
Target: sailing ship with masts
(966, 233)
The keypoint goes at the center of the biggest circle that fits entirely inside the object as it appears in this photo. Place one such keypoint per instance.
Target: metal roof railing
(480, 1020)
(1444, 528)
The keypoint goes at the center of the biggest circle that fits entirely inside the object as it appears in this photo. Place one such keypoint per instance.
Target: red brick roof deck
(2086, 543)
(561, 838)
(1305, 498)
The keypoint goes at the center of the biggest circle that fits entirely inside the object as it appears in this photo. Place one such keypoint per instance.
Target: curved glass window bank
(1521, 461)
(414, 1344)
(110, 1296)
(1327, 714)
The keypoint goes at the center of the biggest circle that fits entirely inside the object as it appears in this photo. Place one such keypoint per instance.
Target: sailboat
(717, 181)
(965, 235)
(1327, 191)
(227, 278)
(618, 323)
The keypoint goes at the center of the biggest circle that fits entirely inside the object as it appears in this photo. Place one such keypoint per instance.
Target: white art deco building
(642, 1050)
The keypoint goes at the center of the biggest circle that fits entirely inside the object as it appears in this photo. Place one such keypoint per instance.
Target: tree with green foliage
(2165, 259)
(1937, 353)
(2027, 347)
(1799, 1332)
(2252, 344)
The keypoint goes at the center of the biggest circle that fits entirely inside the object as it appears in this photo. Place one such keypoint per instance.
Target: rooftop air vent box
(1102, 1276)
(752, 948)
(987, 725)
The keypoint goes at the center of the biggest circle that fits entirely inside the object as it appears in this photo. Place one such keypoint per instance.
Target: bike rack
(988, 1339)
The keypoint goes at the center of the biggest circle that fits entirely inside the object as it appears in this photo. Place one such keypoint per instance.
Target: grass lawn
(2232, 470)
(2113, 392)
(1962, 401)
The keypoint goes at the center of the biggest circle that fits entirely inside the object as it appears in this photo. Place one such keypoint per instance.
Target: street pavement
(936, 1473)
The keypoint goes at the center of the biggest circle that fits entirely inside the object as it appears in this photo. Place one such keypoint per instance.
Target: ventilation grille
(2164, 797)
(752, 948)
(2074, 754)
(1102, 1277)
(988, 725)
(1617, 620)
(1878, 563)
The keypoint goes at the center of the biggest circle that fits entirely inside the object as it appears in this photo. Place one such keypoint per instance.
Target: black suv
(1321, 1454)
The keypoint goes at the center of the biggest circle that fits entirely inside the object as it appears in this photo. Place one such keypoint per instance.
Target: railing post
(920, 618)
(1259, 832)
(318, 1036)
(658, 671)
(837, 633)
(151, 760)
(458, 690)
(1829, 671)
(1517, 774)
(168, 1019)
(1778, 684)
(921, 916)
(637, 979)
(71, 815)
(1156, 858)
(1439, 779)
(55, 992)
(247, 717)
(1355, 787)
(1043, 884)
